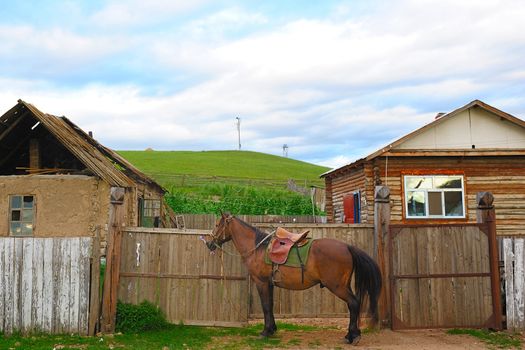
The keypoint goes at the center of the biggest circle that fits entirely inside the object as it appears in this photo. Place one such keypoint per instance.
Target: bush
(137, 318)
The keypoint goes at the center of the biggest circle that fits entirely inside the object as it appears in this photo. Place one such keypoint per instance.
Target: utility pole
(239, 131)
(285, 150)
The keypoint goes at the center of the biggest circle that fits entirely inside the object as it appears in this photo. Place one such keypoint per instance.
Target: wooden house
(435, 172)
(56, 180)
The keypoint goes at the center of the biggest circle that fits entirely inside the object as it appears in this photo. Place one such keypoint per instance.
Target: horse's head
(221, 233)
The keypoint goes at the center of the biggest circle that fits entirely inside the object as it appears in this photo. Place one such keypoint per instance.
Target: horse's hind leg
(345, 293)
(265, 290)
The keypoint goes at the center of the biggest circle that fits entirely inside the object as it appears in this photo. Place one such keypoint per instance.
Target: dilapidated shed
(56, 180)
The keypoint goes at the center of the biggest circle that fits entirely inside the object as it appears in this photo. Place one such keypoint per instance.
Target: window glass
(417, 182)
(416, 203)
(16, 202)
(21, 215)
(453, 203)
(434, 196)
(447, 182)
(435, 206)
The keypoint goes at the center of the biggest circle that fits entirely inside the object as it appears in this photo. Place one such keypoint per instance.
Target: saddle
(283, 242)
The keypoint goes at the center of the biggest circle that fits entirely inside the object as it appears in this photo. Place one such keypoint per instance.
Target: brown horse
(331, 264)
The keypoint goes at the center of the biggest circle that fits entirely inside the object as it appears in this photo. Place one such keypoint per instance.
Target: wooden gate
(45, 284)
(441, 276)
(174, 270)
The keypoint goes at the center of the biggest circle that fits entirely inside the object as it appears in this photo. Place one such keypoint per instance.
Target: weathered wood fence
(208, 221)
(45, 284)
(514, 267)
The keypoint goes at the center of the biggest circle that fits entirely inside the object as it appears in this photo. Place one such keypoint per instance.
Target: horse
(331, 263)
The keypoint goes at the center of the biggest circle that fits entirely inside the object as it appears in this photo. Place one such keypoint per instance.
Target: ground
(332, 338)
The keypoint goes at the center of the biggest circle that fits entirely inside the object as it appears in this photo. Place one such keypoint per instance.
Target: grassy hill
(241, 182)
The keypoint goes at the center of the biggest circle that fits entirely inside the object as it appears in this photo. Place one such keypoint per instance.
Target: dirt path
(332, 338)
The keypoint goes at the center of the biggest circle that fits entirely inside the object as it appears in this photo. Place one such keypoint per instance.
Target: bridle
(219, 238)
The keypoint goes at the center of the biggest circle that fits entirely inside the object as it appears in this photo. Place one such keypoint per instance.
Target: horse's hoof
(354, 341)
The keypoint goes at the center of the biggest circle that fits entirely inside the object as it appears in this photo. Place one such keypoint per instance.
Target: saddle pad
(292, 260)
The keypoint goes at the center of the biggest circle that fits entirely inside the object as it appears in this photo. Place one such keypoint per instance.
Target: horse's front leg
(265, 290)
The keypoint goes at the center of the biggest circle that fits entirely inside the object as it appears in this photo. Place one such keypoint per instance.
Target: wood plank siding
(504, 176)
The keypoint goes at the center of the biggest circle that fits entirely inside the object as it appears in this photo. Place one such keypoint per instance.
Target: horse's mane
(259, 234)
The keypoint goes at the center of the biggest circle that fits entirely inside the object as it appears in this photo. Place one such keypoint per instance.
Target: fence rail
(207, 221)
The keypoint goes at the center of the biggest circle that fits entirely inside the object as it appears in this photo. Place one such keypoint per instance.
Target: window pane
(27, 229)
(16, 202)
(416, 203)
(15, 228)
(447, 182)
(435, 203)
(15, 215)
(27, 215)
(414, 182)
(453, 203)
(28, 201)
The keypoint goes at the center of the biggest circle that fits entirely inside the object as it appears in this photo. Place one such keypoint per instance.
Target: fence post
(111, 279)
(486, 214)
(381, 228)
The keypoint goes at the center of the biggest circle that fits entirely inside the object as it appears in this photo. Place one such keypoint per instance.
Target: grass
(495, 340)
(235, 164)
(172, 337)
(240, 182)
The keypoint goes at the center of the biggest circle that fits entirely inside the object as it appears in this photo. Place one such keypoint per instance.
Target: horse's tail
(367, 279)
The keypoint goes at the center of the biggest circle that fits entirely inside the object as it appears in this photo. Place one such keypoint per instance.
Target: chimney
(90, 133)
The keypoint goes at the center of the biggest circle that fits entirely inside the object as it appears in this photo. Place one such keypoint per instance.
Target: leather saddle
(283, 242)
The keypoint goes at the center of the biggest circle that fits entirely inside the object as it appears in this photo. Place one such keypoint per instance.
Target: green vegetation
(172, 337)
(138, 318)
(240, 182)
(495, 340)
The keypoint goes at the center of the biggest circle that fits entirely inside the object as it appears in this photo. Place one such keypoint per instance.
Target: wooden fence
(45, 284)
(514, 267)
(174, 270)
(441, 276)
(208, 221)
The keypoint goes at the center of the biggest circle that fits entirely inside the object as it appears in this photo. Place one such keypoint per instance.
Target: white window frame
(426, 190)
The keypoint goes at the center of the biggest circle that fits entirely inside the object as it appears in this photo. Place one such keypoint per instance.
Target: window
(149, 212)
(21, 214)
(434, 196)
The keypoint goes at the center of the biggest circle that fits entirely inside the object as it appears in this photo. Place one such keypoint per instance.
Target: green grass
(237, 164)
(172, 337)
(495, 340)
(240, 182)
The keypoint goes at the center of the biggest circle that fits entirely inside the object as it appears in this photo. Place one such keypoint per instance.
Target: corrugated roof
(101, 160)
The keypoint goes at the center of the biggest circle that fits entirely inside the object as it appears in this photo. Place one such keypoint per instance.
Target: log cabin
(435, 172)
(56, 180)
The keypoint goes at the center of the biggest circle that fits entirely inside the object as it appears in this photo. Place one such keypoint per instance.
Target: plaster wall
(65, 205)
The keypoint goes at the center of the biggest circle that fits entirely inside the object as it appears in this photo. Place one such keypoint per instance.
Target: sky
(333, 80)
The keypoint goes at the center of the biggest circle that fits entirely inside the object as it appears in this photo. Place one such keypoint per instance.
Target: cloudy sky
(334, 80)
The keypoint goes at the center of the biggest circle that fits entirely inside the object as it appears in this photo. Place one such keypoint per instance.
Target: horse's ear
(223, 214)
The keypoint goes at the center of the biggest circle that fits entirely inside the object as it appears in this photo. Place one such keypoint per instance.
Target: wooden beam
(381, 229)
(13, 125)
(453, 152)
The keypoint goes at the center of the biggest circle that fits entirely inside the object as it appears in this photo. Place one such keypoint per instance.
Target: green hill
(241, 182)
(240, 165)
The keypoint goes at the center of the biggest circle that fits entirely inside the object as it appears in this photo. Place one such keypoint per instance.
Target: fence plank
(17, 273)
(38, 284)
(49, 284)
(84, 290)
(9, 284)
(508, 259)
(2, 283)
(74, 280)
(27, 284)
(519, 283)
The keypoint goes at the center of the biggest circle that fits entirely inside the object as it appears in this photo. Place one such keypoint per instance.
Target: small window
(434, 196)
(150, 212)
(21, 215)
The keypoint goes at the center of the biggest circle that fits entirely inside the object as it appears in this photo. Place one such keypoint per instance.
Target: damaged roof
(102, 161)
